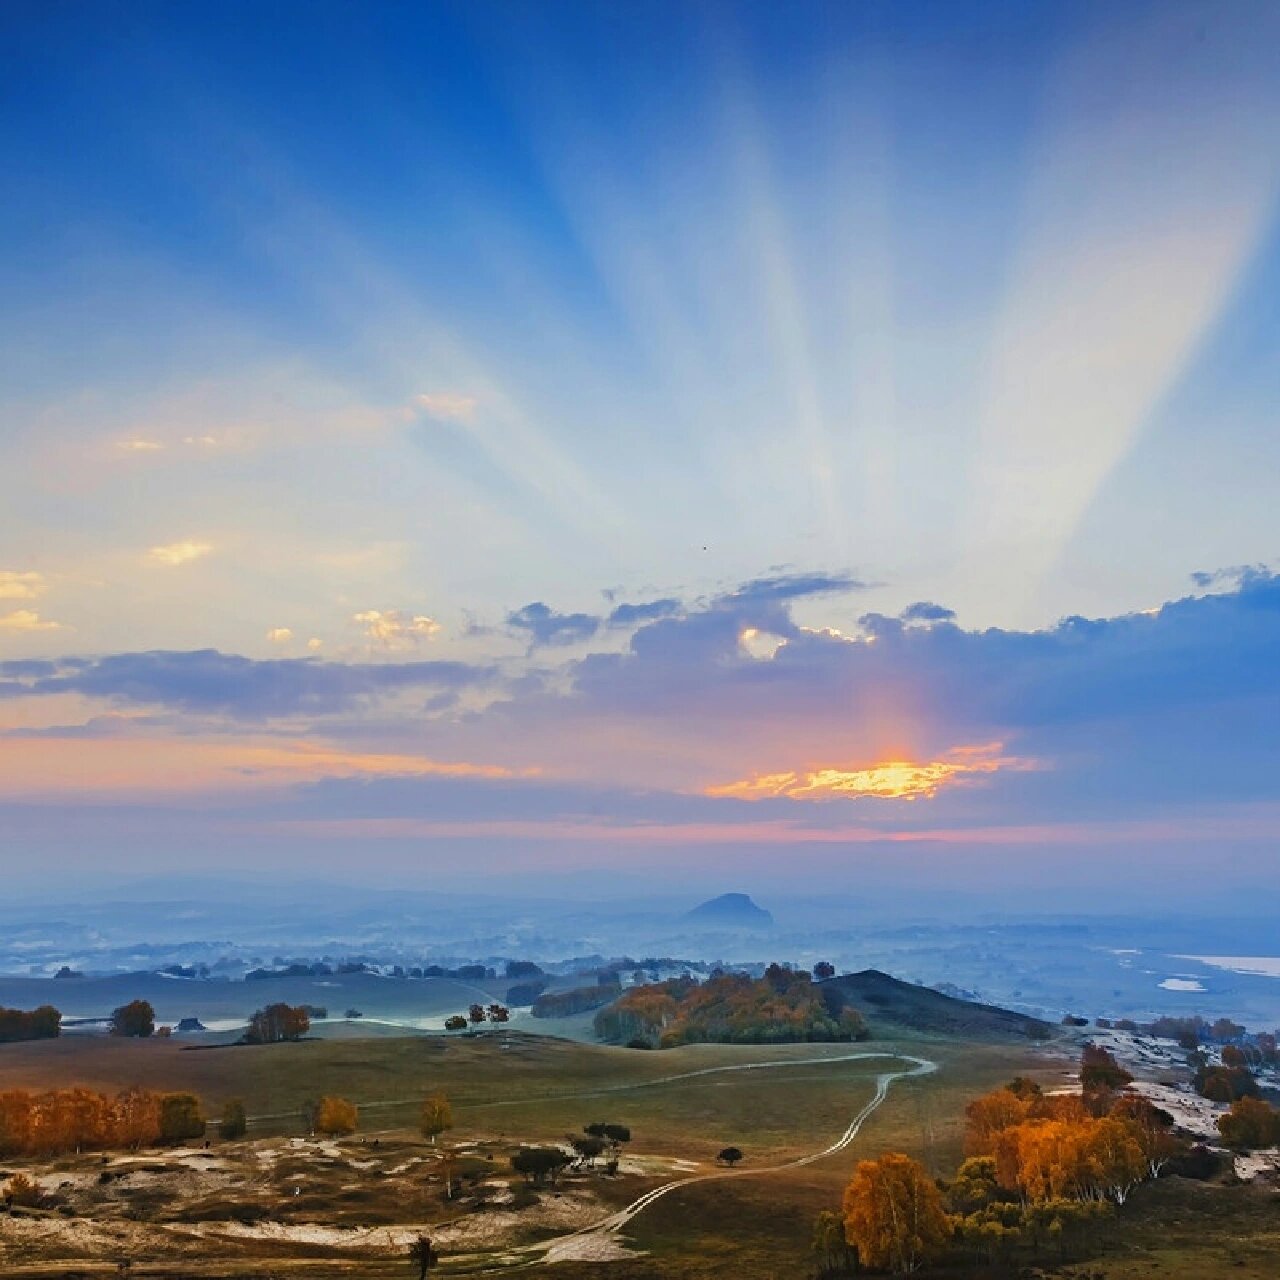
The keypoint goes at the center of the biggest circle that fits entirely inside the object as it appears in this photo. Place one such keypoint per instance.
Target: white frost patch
(1259, 966)
(597, 1247)
(1191, 1113)
(1258, 1164)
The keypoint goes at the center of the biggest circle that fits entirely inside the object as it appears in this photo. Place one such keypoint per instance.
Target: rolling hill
(889, 1002)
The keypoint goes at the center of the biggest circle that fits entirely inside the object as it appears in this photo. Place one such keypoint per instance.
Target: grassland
(279, 1204)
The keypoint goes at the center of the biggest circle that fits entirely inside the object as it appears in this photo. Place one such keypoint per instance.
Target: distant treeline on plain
(44, 1023)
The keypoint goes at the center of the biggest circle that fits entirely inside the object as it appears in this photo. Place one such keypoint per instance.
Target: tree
(540, 1165)
(180, 1117)
(423, 1256)
(137, 1018)
(137, 1117)
(833, 1250)
(22, 1191)
(990, 1115)
(1115, 1157)
(823, 970)
(335, 1116)
(457, 1022)
(1225, 1084)
(587, 1147)
(1250, 1123)
(729, 1156)
(435, 1117)
(476, 1014)
(893, 1214)
(1100, 1072)
(310, 1109)
(497, 1013)
(277, 1022)
(975, 1186)
(614, 1134)
(234, 1122)
(1152, 1127)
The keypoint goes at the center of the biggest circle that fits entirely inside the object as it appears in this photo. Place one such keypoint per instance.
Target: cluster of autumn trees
(1038, 1166)
(477, 1015)
(782, 1006)
(61, 1120)
(277, 1022)
(44, 1023)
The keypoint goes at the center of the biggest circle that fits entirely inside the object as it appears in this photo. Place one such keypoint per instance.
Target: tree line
(784, 1005)
(62, 1120)
(44, 1023)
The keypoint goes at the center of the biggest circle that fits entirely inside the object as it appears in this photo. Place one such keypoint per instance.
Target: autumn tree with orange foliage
(894, 1216)
(336, 1116)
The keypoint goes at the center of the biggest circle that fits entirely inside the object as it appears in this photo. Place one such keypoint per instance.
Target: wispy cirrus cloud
(450, 406)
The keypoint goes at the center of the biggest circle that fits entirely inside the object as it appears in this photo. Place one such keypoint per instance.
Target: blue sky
(454, 396)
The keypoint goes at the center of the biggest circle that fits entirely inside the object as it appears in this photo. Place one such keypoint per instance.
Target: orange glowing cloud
(890, 780)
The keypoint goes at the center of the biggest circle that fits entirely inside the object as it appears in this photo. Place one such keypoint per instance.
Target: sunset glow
(892, 780)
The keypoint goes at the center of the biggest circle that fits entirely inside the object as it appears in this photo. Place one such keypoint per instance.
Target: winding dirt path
(545, 1250)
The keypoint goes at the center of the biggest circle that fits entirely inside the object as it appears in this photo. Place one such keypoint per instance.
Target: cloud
(630, 615)
(544, 626)
(27, 620)
(139, 446)
(176, 553)
(793, 586)
(1240, 575)
(449, 406)
(20, 586)
(889, 780)
(280, 635)
(923, 611)
(208, 682)
(395, 629)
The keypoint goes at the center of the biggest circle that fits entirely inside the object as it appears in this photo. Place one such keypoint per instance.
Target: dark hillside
(887, 1001)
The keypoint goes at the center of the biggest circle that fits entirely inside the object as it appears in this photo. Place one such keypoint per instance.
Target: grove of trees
(1039, 1167)
(44, 1023)
(783, 1006)
(561, 1004)
(277, 1022)
(62, 1120)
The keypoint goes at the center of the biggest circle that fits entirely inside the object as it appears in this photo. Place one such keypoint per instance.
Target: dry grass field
(281, 1204)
